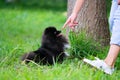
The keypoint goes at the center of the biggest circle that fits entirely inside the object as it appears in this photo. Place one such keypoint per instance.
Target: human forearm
(71, 20)
(77, 6)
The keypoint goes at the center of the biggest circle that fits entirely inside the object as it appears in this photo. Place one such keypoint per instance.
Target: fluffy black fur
(51, 50)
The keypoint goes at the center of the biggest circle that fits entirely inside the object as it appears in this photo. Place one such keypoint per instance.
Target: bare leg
(112, 55)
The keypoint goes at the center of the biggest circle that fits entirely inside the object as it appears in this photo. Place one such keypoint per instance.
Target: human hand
(71, 21)
(118, 2)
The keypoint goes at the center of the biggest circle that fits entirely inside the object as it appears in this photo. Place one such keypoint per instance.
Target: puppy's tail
(28, 57)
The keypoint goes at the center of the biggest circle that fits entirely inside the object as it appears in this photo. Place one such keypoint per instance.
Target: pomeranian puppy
(52, 48)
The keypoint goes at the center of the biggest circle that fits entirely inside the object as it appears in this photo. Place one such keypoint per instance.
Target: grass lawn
(20, 32)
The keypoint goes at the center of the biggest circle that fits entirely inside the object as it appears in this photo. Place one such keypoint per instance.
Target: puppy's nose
(59, 31)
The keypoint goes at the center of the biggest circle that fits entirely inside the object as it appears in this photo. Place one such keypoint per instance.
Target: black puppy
(52, 48)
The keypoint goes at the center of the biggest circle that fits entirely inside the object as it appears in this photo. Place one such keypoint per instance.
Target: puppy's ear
(46, 30)
(52, 31)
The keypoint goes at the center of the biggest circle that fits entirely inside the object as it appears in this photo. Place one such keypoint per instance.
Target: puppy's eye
(55, 32)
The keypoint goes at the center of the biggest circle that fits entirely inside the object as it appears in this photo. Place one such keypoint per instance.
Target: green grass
(21, 30)
(83, 46)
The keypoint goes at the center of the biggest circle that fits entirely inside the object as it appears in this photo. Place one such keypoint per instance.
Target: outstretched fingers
(66, 23)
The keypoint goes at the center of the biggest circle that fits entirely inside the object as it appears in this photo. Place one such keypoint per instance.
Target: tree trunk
(93, 18)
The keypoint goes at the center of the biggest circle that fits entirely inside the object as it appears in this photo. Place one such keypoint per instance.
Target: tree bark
(93, 19)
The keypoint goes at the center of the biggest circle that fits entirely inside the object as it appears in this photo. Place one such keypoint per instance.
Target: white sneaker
(100, 64)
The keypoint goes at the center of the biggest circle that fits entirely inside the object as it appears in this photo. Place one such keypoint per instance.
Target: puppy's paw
(66, 54)
(67, 46)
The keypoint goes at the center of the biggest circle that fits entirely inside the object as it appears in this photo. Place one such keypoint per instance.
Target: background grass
(21, 30)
